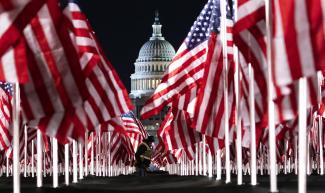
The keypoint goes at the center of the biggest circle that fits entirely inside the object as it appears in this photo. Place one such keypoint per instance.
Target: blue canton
(7, 87)
(207, 22)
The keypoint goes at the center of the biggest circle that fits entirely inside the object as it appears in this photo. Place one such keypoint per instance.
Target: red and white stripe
(184, 73)
(209, 110)
(108, 96)
(298, 39)
(5, 120)
(56, 87)
(14, 16)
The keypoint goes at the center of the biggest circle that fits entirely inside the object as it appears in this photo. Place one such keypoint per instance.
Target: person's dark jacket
(143, 155)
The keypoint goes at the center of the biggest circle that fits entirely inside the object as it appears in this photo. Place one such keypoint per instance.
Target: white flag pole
(302, 184)
(271, 123)
(74, 161)
(66, 163)
(197, 159)
(25, 151)
(92, 155)
(204, 155)
(39, 159)
(86, 154)
(16, 162)
(109, 154)
(238, 116)
(219, 169)
(81, 168)
(55, 162)
(209, 164)
(320, 125)
(252, 122)
(33, 169)
(225, 87)
(7, 166)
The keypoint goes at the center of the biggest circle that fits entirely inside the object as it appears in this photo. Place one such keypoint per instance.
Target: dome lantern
(156, 28)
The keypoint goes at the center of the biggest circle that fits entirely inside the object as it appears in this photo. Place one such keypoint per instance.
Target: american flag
(15, 15)
(298, 40)
(176, 133)
(108, 96)
(187, 68)
(209, 117)
(5, 115)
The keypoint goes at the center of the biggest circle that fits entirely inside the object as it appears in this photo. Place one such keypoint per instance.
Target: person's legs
(142, 172)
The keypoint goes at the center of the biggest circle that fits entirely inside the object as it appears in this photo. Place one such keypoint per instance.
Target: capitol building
(153, 59)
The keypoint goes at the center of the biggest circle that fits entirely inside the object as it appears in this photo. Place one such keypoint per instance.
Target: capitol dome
(156, 50)
(154, 57)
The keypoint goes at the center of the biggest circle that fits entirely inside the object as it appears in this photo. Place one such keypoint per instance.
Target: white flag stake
(302, 184)
(200, 158)
(321, 153)
(55, 162)
(25, 151)
(209, 164)
(109, 154)
(238, 122)
(86, 154)
(296, 155)
(238, 115)
(225, 87)
(218, 164)
(81, 168)
(7, 166)
(97, 155)
(320, 124)
(271, 123)
(39, 159)
(252, 121)
(74, 162)
(204, 155)
(33, 169)
(16, 163)
(92, 155)
(197, 159)
(66, 163)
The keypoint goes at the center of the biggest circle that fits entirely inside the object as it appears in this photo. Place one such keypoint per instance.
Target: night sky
(122, 27)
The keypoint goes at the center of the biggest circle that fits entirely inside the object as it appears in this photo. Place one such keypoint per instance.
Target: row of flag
(207, 64)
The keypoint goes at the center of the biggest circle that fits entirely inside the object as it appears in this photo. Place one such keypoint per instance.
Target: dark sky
(123, 26)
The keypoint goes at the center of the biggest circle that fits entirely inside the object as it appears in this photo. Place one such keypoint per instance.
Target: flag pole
(16, 163)
(204, 155)
(74, 161)
(66, 163)
(225, 88)
(25, 151)
(302, 184)
(197, 159)
(209, 164)
(86, 154)
(55, 162)
(238, 115)
(39, 159)
(92, 155)
(271, 118)
(81, 170)
(252, 121)
(320, 124)
(219, 164)
(33, 159)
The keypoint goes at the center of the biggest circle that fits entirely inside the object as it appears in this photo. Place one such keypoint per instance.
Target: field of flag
(245, 91)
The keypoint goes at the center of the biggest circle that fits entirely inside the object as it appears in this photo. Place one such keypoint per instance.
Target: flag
(15, 15)
(186, 70)
(108, 96)
(5, 116)
(298, 40)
